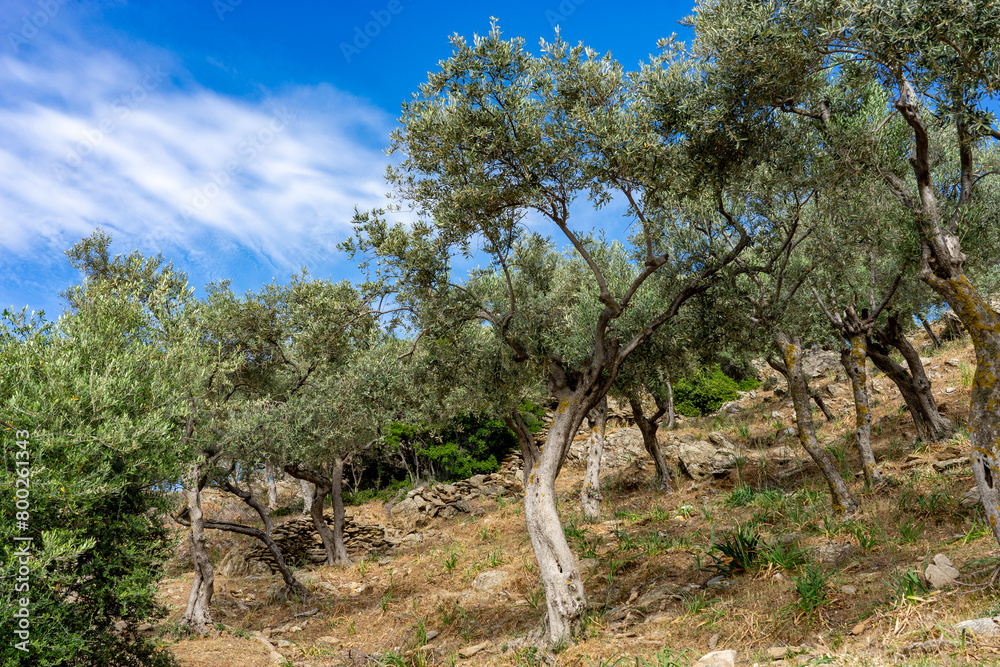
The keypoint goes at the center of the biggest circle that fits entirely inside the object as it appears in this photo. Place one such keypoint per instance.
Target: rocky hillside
(743, 565)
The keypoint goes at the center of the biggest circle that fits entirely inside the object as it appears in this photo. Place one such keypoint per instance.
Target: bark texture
(526, 440)
(648, 426)
(198, 615)
(308, 493)
(590, 495)
(844, 503)
(272, 488)
(855, 360)
(564, 593)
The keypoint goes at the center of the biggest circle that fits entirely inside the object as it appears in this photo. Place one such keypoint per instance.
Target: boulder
(489, 581)
(816, 362)
(717, 659)
(940, 573)
(980, 626)
(702, 459)
(970, 498)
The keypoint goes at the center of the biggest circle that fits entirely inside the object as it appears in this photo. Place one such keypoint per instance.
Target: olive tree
(499, 133)
(937, 63)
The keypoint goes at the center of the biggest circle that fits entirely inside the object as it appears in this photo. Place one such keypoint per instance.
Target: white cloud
(94, 139)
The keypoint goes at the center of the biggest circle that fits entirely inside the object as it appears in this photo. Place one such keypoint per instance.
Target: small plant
(976, 531)
(686, 511)
(811, 587)
(744, 431)
(740, 551)
(495, 557)
(625, 542)
(487, 535)
(909, 586)
(362, 566)
(831, 526)
(740, 495)
(865, 535)
(910, 531)
(695, 604)
(968, 373)
(451, 561)
(535, 597)
(784, 555)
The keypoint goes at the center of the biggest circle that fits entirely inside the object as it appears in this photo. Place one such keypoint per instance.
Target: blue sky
(234, 136)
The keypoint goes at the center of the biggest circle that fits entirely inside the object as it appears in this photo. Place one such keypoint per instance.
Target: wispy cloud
(133, 145)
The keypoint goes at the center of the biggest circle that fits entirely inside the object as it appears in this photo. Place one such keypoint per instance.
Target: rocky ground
(445, 575)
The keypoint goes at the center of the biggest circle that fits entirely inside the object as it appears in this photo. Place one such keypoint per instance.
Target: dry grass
(650, 547)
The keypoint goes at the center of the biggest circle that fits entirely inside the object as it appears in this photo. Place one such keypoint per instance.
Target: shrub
(707, 391)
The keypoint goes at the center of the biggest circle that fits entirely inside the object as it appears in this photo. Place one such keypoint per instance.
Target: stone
(702, 459)
(816, 363)
(589, 564)
(408, 513)
(470, 651)
(980, 626)
(489, 581)
(431, 634)
(832, 553)
(941, 466)
(849, 590)
(332, 641)
(858, 628)
(777, 415)
(833, 390)
(730, 408)
(779, 652)
(940, 573)
(949, 390)
(283, 643)
(970, 498)
(713, 641)
(717, 659)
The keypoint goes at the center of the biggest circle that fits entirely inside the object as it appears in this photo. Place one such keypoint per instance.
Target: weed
(686, 511)
(535, 597)
(811, 587)
(865, 535)
(831, 526)
(784, 555)
(451, 561)
(495, 557)
(909, 586)
(625, 542)
(968, 373)
(487, 535)
(695, 604)
(910, 531)
(744, 431)
(740, 495)
(977, 530)
(740, 551)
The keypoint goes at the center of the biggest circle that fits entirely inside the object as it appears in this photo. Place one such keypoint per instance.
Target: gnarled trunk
(198, 615)
(929, 423)
(647, 427)
(934, 424)
(564, 594)
(844, 503)
(526, 440)
(590, 495)
(323, 486)
(855, 360)
(308, 494)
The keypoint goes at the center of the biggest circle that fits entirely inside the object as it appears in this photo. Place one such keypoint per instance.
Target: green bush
(707, 391)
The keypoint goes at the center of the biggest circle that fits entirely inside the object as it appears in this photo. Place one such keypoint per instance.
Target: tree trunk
(921, 409)
(844, 503)
(590, 496)
(937, 425)
(340, 551)
(272, 487)
(526, 440)
(198, 615)
(983, 325)
(308, 494)
(813, 395)
(564, 594)
(930, 332)
(671, 415)
(648, 428)
(855, 360)
(323, 486)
